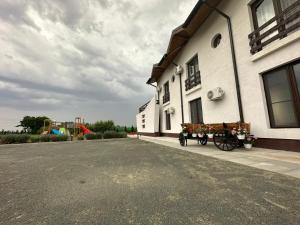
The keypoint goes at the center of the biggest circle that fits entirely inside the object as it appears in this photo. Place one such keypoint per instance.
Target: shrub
(35, 138)
(80, 138)
(114, 134)
(58, 138)
(94, 136)
(45, 138)
(15, 138)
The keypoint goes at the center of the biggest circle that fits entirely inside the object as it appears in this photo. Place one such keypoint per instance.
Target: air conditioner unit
(171, 110)
(179, 70)
(216, 94)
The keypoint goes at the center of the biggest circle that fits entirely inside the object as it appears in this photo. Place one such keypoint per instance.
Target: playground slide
(56, 132)
(84, 129)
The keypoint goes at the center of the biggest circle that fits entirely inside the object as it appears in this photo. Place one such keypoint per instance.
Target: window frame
(295, 94)
(200, 118)
(168, 120)
(188, 66)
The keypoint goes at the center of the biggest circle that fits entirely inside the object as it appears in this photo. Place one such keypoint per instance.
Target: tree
(102, 126)
(33, 124)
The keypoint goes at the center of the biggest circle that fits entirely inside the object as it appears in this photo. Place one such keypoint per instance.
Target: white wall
(217, 71)
(151, 117)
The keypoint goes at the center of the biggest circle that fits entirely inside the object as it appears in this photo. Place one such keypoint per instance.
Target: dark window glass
(168, 120)
(193, 67)
(196, 111)
(282, 96)
(297, 75)
(166, 88)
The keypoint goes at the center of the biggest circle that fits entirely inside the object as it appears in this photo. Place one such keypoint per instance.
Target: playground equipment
(79, 126)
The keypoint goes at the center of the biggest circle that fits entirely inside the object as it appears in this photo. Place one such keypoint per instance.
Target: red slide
(84, 129)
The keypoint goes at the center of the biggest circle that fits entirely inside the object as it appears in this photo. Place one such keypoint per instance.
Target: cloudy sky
(90, 58)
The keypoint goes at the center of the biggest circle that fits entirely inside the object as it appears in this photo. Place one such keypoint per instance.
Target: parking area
(131, 181)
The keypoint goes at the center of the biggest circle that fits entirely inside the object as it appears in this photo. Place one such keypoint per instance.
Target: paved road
(129, 181)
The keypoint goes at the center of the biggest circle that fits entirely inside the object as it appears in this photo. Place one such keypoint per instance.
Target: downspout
(157, 102)
(233, 54)
(181, 96)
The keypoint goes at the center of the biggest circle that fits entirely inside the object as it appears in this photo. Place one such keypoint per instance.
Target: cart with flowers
(226, 136)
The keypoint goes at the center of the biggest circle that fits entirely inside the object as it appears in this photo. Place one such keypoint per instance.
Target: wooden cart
(224, 135)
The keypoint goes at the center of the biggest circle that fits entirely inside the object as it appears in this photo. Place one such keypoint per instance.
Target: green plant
(45, 138)
(94, 136)
(58, 138)
(33, 124)
(15, 138)
(80, 138)
(35, 138)
(250, 139)
(114, 134)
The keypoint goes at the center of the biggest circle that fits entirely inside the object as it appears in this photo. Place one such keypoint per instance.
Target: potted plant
(185, 131)
(210, 132)
(201, 132)
(249, 141)
(241, 134)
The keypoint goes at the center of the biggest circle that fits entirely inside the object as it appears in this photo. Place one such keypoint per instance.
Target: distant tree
(102, 126)
(32, 124)
(132, 129)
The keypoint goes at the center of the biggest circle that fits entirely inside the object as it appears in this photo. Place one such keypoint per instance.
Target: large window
(282, 87)
(193, 76)
(196, 111)
(166, 97)
(273, 19)
(168, 120)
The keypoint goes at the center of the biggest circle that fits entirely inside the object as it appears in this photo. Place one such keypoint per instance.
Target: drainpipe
(233, 54)
(157, 102)
(181, 95)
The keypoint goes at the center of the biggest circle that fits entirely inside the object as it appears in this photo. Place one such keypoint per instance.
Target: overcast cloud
(90, 58)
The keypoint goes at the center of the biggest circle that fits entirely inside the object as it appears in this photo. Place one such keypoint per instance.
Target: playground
(71, 129)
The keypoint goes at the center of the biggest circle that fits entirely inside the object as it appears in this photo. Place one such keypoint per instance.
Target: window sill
(276, 46)
(166, 104)
(194, 89)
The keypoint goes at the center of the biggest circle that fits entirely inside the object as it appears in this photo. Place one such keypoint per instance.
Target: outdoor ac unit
(216, 94)
(171, 110)
(179, 70)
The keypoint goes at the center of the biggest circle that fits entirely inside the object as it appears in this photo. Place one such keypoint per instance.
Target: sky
(87, 58)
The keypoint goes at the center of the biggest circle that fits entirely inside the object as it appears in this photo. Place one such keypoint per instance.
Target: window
(166, 97)
(168, 120)
(216, 41)
(196, 111)
(193, 67)
(194, 77)
(273, 19)
(282, 87)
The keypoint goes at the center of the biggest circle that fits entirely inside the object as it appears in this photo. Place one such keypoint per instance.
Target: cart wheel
(181, 139)
(204, 140)
(224, 141)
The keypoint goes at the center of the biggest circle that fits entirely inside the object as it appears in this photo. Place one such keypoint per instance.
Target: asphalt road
(129, 181)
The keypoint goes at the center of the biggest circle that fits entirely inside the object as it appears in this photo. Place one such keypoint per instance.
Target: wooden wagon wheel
(225, 141)
(203, 140)
(182, 140)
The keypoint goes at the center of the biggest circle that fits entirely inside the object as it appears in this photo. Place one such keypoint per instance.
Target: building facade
(235, 60)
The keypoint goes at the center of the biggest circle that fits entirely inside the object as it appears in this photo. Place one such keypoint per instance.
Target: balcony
(166, 97)
(277, 28)
(193, 81)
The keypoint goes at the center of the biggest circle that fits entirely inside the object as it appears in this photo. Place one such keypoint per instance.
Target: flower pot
(210, 135)
(185, 134)
(200, 135)
(194, 135)
(241, 136)
(248, 146)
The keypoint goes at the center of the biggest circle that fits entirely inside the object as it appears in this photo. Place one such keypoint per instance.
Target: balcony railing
(193, 81)
(166, 97)
(142, 108)
(285, 23)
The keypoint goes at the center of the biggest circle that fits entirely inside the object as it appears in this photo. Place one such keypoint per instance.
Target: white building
(257, 67)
